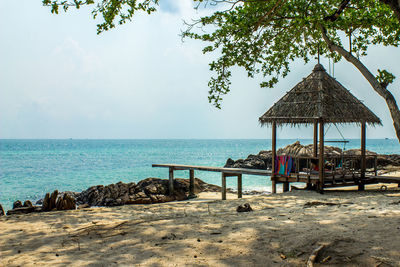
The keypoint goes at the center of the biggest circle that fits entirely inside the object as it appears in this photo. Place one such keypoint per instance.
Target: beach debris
(170, 236)
(314, 255)
(386, 261)
(326, 259)
(17, 204)
(244, 208)
(319, 203)
(1, 210)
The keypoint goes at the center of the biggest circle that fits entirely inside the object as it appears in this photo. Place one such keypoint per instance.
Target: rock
(28, 204)
(2, 213)
(229, 163)
(66, 201)
(17, 204)
(46, 202)
(244, 208)
(53, 199)
(21, 210)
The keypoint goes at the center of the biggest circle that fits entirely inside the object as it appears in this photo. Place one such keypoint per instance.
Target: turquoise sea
(30, 168)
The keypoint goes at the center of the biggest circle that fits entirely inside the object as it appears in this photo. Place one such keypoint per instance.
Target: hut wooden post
(361, 185)
(315, 151)
(223, 187)
(191, 185)
(273, 157)
(321, 158)
(315, 148)
(171, 181)
(239, 185)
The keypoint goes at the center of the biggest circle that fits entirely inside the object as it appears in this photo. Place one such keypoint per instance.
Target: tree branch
(382, 91)
(339, 11)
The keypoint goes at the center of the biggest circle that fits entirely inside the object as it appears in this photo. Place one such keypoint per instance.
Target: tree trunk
(382, 91)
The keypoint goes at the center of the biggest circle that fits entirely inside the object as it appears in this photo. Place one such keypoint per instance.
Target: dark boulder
(17, 204)
(2, 213)
(244, 208)
(66, 201)
(28, 204)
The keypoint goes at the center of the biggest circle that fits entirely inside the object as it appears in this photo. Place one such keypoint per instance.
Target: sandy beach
(357, 228)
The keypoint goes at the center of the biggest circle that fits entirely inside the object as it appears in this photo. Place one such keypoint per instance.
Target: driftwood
(386, 261)
(314, 255)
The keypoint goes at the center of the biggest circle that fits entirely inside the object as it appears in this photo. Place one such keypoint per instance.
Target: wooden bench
(226, 172)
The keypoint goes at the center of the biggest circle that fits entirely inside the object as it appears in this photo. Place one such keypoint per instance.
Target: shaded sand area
(358, 229)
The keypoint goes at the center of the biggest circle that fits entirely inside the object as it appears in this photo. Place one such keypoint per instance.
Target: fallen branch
(313, 256)
(384, 260)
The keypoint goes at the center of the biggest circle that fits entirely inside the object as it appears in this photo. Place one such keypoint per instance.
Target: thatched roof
(319, 96)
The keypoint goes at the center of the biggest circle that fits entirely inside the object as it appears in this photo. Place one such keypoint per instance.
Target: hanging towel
(284, 165)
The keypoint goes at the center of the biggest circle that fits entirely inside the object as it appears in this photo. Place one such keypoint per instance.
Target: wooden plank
(233, 171)
(191, 184)
(223, 186)
(171, 181)
(273, 182)
(239, 185)
(363, 159)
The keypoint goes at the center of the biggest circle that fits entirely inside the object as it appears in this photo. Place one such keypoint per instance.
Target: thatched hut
(319, 99)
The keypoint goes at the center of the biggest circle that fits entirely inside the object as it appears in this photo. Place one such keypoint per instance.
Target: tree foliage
(112, 11)
(263, 37)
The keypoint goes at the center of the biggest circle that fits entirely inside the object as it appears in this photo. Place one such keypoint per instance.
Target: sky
(59, 79)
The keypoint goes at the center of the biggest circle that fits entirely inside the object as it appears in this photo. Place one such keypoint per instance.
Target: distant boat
(386, 138)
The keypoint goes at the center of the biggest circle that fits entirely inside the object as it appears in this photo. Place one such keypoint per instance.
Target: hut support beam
(171, 181)
(273, 157)
(315, 151)
(239, 185)
(191, 185)
(321, 159)
(315, 148)
(361, 185)
(223, 191)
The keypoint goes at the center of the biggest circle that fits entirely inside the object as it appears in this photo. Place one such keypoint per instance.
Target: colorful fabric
(284, 165)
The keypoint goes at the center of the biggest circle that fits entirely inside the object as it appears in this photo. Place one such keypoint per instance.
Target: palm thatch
(319, 97)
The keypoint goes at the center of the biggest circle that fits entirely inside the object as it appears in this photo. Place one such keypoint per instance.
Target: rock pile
(148, 191)
(263, 160)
